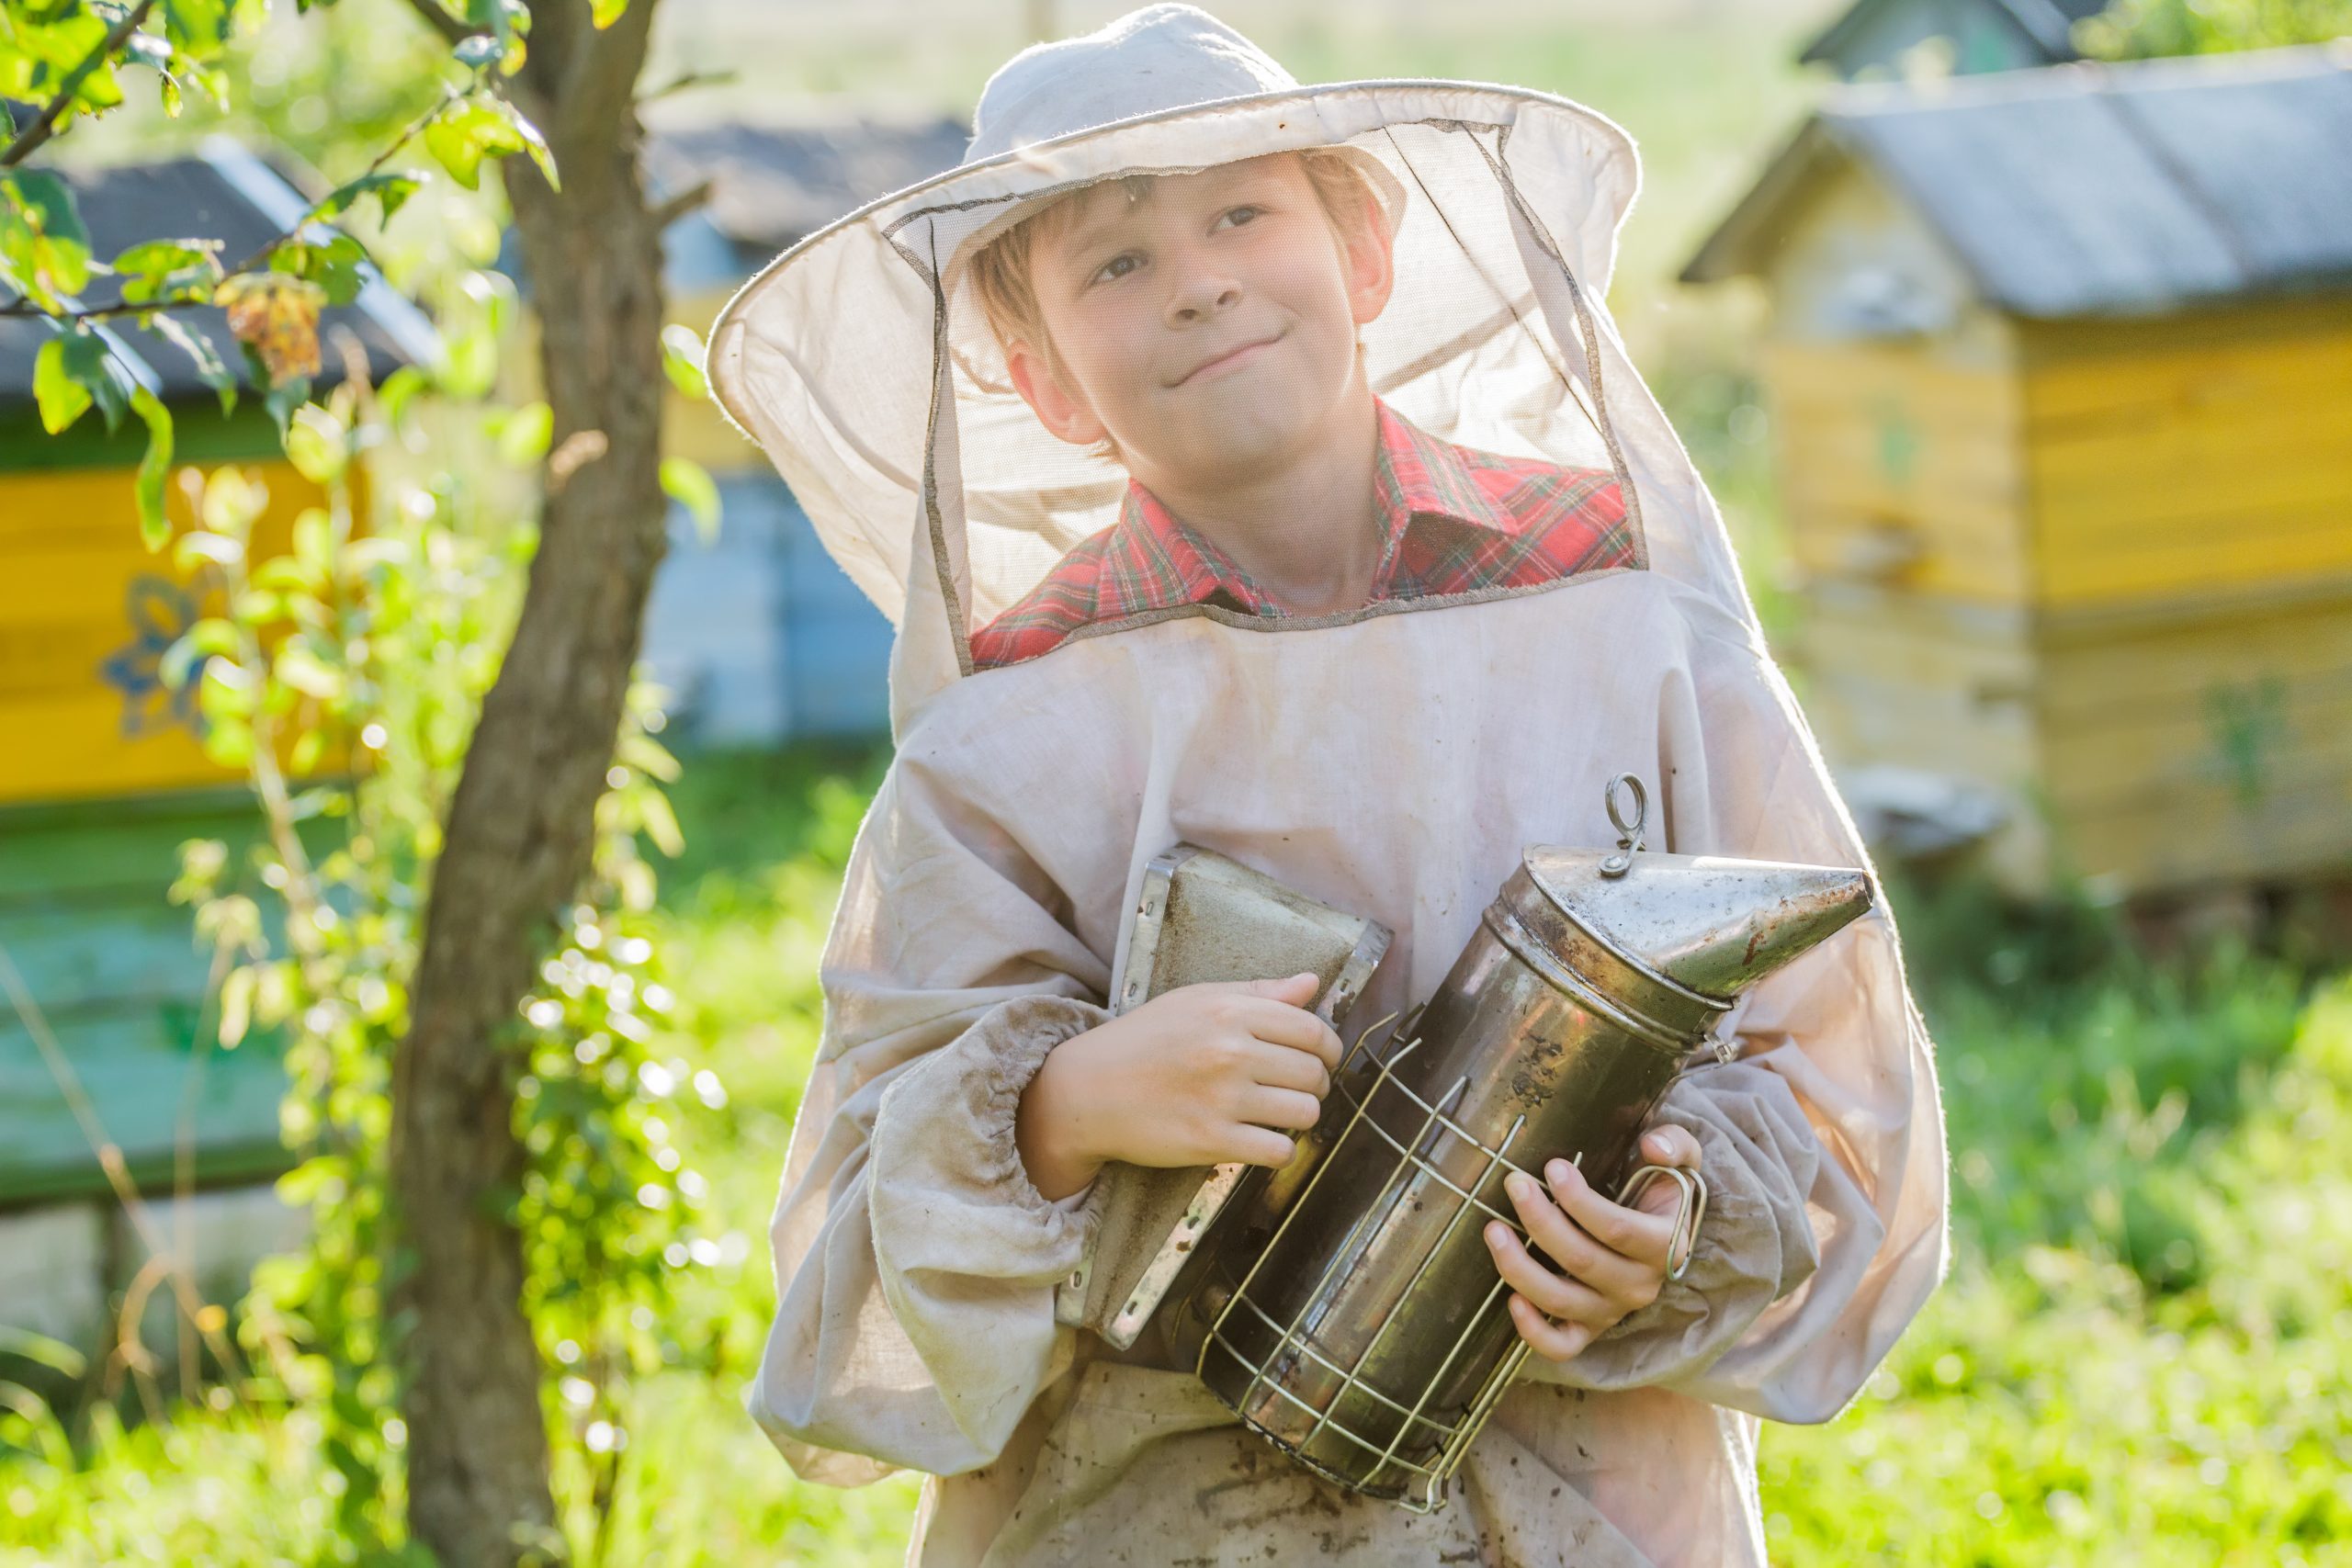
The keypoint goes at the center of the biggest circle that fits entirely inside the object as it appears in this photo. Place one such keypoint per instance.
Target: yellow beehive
(2060, 368)
(102, 774)
(86, 614)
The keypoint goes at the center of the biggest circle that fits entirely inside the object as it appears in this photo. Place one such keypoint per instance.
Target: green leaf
(401, 385)
(479, 127)
(199, 642)
(200, 546)
(300, 668)
(605, 13)
(688, 483)
(507, 21)
(317, 445)
(155, 467)
(335, 264)
(314, 541)
(526, 436)
(391, 188)
(61, 385)
(236, 1006)
(210, 368)
(44, 249)
(283, 399)
(200, 28)
(157, 270)
(661, 823)
(232, 501)
(682, 356)
(146, 48)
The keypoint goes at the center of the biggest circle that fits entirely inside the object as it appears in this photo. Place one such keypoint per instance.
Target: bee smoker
(1345, 1306)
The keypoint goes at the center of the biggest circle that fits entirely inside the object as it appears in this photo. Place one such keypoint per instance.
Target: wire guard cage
(1366, 1333)
(1367, 1415)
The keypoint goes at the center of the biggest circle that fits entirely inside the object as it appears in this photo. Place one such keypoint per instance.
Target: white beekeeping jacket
(1393, 763)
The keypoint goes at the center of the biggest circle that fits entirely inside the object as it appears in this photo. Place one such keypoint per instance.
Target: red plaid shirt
(1455, 520)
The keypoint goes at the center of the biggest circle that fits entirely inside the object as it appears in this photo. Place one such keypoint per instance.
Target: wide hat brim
(826, 357)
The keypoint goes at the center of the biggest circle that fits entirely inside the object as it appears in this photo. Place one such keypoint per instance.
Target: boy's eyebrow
(1101, 216)
(1086, 229)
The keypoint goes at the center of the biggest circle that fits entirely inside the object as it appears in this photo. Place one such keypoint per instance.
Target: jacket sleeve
(1822, 1142)
(1755, 1242)
(915, 1262)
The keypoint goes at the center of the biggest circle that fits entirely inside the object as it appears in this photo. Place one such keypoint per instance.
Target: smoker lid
(1712, 924)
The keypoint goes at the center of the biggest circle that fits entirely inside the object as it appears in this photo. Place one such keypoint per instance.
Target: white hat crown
(1160, 58)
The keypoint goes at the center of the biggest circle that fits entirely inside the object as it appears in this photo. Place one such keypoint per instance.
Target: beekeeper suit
(1392, 762)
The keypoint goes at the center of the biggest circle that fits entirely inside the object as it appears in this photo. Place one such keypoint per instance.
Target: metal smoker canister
(1351, 1311)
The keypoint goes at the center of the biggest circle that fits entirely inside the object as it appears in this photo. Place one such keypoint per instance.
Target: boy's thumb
(1296, 989)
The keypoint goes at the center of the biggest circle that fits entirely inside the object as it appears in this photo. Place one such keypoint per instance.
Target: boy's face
(1208, 327)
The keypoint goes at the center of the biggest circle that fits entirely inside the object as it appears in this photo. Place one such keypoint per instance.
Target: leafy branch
(44, 124)
(274, 297)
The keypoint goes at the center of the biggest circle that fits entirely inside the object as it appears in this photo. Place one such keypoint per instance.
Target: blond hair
(1000, 271)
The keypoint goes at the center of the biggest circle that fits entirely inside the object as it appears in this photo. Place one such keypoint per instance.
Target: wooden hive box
(103, 774)
(2060, 366)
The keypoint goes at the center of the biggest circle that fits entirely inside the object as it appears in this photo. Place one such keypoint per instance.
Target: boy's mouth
(1231, 355)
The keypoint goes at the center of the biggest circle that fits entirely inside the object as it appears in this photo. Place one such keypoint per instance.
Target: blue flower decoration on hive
(159, 611)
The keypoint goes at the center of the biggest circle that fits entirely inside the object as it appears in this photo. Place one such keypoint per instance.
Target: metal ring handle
(1629, 834)
(1686, 1219)
(1631, 830)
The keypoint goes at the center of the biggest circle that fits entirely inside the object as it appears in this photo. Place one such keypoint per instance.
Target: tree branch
(44, 124)
(687, 81)
(262, 253)
(678, 206)
(17, 308)
(453, 31)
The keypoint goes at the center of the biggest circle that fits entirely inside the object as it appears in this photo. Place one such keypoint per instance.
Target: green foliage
(68, 56)
(687, 483)
(2139, 29)
(346, 676)
(2054, 1407)
(681, 355)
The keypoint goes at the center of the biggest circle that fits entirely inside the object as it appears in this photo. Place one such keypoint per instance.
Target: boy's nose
(1201, 296)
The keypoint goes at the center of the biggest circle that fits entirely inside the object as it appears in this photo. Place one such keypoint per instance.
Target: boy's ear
(1370, 255)
(1057, 407)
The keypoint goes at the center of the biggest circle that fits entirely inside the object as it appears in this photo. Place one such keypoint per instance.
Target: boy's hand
(1202, 1075)
(1612, 1258)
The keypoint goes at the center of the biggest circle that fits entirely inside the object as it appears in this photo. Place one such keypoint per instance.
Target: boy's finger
(1283, 1067)
(1298, 990)
(1556, 1295)
(1285, 1108)
(1280, 1023)
(1564, 1244)
(1553, 1342)
(1253, 1145)
(1667, 1144)
(1628, 1231)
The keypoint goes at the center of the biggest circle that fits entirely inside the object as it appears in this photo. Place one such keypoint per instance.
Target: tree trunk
(521, 824)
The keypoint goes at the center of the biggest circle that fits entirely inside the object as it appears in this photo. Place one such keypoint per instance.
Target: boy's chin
(1238, 431)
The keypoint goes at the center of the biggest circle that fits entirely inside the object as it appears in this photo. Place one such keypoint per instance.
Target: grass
(2141, 1354)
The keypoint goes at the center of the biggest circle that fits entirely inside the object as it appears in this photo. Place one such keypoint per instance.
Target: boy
(1244, 601)
(1211, 318)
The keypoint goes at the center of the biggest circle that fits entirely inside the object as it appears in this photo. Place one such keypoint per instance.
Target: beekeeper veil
(862, 361)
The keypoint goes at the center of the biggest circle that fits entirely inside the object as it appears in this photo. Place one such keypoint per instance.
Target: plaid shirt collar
(1154, 560)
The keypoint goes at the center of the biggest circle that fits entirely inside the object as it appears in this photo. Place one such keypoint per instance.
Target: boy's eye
(1112, 270)
(1245, 214)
